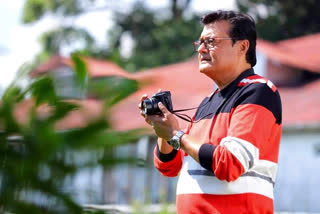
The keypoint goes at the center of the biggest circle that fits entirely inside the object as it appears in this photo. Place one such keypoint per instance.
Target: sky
(20, 43)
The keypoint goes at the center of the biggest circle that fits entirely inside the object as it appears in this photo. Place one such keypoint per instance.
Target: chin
(204, 68)
(208, 71)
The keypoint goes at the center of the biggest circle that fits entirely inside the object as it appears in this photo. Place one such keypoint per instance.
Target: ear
(243, 46)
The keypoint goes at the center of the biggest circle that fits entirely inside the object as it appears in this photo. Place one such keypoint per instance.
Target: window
(66, 85)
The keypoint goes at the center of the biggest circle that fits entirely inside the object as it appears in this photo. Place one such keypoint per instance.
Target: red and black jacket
(239, 129)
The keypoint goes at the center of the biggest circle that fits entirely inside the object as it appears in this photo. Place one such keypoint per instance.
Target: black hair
(242, 27)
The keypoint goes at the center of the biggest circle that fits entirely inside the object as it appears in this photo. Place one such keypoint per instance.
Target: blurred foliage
(52, 41)
(283, 19)
(36, 159)
(35, 9)
(157, 42)
(159, 36)
(99, 87)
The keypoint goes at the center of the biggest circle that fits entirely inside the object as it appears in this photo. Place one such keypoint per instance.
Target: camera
(150, 106)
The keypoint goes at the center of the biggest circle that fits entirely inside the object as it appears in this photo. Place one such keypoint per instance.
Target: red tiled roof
(302, 52)
(96, 68)
(89, 110)
(306, 49)
(99, 68)
(300, 106)
(275, 53)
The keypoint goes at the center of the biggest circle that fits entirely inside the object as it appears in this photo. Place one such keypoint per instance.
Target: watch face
(175, 143)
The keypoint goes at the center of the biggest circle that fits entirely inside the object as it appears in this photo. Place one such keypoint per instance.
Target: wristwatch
(175, 140)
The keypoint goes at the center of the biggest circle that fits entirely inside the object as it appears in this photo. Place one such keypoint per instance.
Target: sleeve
(168, 164)
(253, 117)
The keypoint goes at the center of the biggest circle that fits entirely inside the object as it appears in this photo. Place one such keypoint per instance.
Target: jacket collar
(234, 84)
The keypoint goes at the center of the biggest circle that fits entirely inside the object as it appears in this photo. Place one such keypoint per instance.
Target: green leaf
(12, 94)
(10, 98)
(81, 71)
(112, 89)
(33, 10)
(43, 91)
(61, 109)
(118, 90)
(114, 138)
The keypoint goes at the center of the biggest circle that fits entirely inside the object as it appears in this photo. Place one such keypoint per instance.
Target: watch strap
(175, 140)
(179, 134)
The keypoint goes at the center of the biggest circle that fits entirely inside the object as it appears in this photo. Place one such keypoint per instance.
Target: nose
(202, 48)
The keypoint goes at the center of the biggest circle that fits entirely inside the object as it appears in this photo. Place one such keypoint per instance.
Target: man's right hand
(147, 119)
(143, 97)
(164, 147)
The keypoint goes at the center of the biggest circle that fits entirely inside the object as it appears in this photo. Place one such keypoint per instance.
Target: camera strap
(223, 103)
(186, 117)
(188, 109)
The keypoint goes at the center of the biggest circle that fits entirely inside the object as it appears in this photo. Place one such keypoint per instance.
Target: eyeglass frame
(205, 42)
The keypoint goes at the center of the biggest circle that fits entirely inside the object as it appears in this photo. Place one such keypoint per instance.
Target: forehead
(217, 29)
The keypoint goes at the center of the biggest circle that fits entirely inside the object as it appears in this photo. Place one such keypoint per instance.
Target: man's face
(216, 62)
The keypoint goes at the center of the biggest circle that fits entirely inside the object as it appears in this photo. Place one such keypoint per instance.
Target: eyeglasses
(209, 43)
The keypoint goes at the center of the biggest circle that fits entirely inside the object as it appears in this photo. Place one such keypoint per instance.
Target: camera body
(150, 106)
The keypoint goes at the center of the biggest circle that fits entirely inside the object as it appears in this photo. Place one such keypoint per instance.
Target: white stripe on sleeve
(243, 150)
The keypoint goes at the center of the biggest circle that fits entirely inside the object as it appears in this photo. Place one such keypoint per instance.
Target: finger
(147, 119)
(153, 119)
(142, 114)
(162, 108)
(143, 97)
(150, 122)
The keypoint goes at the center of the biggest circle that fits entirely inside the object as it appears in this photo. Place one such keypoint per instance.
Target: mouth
(205, 60)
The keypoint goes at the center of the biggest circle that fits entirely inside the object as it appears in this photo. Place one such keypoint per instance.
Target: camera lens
(146, 106)
(150, 106)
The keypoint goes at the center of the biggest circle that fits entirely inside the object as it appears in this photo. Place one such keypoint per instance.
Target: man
(227, 158)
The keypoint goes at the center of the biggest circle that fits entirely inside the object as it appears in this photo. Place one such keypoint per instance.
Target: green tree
(158, 41)
(160, 37)
(36, 159)
(66, 34)
(283, 19)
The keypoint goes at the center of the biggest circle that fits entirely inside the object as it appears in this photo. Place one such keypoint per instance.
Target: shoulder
(257, 81)
(257, 90)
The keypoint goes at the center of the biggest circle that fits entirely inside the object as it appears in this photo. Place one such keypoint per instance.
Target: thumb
(162, 108)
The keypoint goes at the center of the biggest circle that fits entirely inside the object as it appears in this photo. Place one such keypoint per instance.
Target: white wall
(298, 182)
(261, 66)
